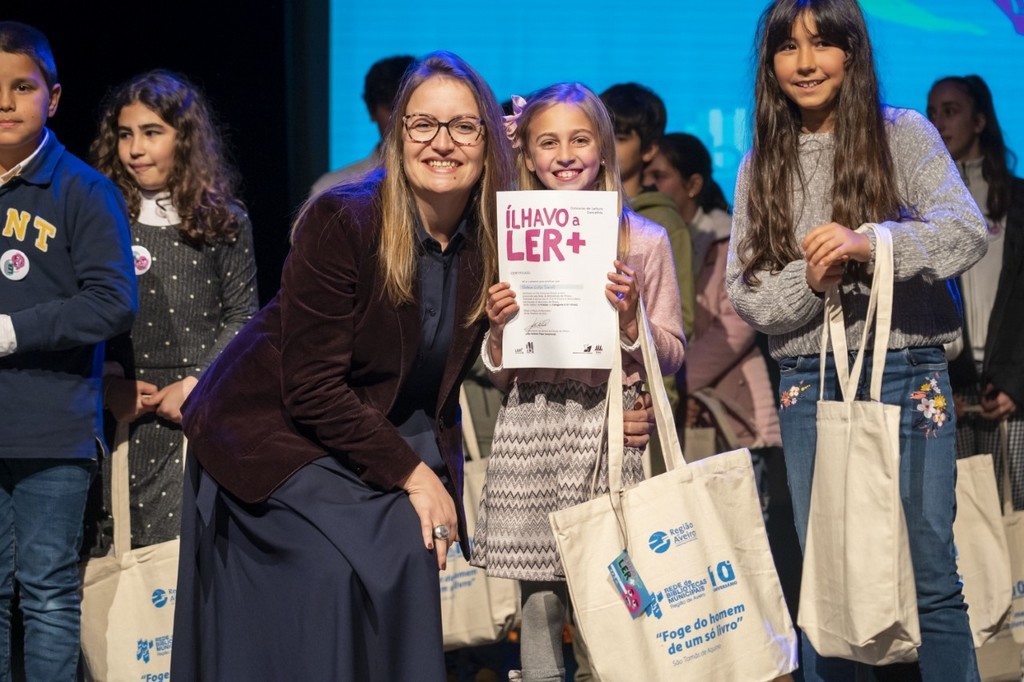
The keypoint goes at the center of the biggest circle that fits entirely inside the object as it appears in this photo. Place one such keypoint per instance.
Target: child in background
(67, 286)
(988, 373)
(193, 250)
(380, 86)
(827, 157)
(638, 115)
(549, 434)
(681, 170)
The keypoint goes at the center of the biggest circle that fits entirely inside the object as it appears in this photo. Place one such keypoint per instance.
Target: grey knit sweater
(949, 239)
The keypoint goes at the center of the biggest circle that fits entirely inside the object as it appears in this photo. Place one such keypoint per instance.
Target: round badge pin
(143, 259)
(14, 265)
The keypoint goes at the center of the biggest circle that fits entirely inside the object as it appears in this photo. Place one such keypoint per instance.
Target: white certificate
(556, 249)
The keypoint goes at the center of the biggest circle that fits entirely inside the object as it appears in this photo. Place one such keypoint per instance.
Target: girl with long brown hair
(827, 157)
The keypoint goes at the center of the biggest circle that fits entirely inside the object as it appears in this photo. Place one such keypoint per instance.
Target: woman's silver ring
(441, 532)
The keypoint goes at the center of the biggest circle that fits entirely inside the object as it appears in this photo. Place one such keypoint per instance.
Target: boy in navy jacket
(67, 284)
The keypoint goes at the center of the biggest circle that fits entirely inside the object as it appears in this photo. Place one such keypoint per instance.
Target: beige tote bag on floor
(128, 596)
(475, 609)
(983, 559)
(1013, 524)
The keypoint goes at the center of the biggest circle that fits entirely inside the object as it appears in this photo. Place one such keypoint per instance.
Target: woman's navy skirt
(326, 580)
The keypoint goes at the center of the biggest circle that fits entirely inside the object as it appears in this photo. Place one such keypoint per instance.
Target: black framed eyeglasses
(465, 131)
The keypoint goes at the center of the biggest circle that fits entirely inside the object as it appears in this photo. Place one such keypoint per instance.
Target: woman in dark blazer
(324, 478)
(324, 481)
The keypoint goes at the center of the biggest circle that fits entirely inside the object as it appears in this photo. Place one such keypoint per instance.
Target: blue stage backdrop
(697, 55)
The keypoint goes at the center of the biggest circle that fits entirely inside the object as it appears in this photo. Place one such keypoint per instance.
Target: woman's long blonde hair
(398, 210)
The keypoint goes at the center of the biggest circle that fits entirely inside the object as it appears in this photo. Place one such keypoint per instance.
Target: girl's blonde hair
(202, 183)
(582, 97)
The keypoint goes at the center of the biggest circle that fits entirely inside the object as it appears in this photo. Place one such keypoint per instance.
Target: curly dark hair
(202, 183)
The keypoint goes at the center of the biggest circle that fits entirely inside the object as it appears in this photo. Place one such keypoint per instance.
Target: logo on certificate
(528, 348)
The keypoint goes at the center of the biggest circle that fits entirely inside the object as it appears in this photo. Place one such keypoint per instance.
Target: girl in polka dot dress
(193, 250)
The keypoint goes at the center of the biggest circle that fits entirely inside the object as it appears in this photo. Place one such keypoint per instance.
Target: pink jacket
(722, 355)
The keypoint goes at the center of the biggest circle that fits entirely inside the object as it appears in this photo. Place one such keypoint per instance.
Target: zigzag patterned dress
(548, 453)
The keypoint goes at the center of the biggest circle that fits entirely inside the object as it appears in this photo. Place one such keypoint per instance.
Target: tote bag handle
(879, 316)
(722, 410)
(1004, 452)
(669, 439)
(119, 492)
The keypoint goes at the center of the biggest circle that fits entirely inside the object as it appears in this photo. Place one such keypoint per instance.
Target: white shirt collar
(156, 209)
(23, 164)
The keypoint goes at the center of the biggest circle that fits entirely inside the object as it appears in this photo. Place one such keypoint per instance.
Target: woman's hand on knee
(435, 509)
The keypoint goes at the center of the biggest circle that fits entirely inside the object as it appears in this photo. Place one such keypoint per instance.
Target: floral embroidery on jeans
(931, 407)
(790, 397)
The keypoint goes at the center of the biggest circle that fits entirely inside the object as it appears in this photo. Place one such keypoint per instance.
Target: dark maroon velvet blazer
(319, 369)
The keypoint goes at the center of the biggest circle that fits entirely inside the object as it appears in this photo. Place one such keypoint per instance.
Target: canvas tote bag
(475, 609)
(715, 433)
(983, 559)
(999, 658)
(695, 537)
(857, 597)
(128, 596)
(1013, 524)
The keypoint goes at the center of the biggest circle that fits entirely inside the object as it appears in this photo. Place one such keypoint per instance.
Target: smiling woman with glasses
(324, 485)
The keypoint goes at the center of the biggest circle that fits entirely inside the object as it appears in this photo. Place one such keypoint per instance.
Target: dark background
(268, 90)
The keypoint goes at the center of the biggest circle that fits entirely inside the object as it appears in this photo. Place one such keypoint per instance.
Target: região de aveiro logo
(162, 597)
(660, 541)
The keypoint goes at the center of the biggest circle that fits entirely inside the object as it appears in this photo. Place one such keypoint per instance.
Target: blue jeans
(914, 378)
(41, 506)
